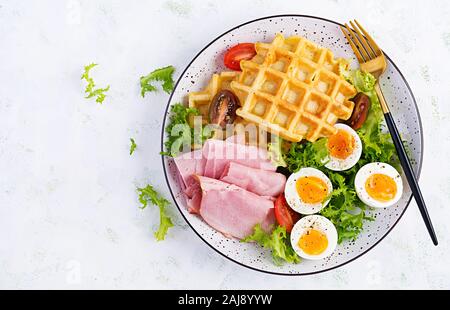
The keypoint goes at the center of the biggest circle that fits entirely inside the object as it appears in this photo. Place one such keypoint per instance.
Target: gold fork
(372, 60)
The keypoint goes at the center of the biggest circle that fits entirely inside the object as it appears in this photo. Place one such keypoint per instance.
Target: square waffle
(294, 88)
(201, 100)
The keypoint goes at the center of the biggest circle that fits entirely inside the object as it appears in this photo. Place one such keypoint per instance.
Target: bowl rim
(419, 170)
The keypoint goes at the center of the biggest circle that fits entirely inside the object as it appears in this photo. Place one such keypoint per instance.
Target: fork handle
(406, 165)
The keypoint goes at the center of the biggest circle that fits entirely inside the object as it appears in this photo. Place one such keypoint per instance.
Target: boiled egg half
(314, 237)
(378, 185)
(308, 191)
(344, 148)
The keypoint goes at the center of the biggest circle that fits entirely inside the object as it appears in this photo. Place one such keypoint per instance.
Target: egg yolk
(312, 189)
(341, 144)
(381, 187)
(313, 242)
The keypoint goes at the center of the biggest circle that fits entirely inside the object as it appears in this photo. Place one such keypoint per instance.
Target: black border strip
(173, 196)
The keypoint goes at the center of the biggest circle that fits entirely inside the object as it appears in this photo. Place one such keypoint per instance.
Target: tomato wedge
(285, 216)
(242, 51)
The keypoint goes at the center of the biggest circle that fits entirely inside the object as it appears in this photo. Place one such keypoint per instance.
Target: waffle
(202, 99)
(294, 88)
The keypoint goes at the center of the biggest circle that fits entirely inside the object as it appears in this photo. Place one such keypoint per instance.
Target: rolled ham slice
(189, 164)
(260, 182)
(228, 208)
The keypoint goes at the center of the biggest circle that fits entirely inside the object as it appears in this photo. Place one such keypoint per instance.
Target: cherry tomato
(222, 110)
(360, 112)
(285, 216)
(242, 51)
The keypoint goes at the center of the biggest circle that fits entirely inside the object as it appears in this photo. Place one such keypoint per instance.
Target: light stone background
(69, 214)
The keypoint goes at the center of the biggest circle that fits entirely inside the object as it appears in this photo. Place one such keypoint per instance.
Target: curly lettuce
(147, 195)
(275, 153)
(301, 155)
(362, 81)
(133, 146)
(277, 241)
(90, 89)
(345, 210)
(378, 145)
(181, 133)
(163, 75)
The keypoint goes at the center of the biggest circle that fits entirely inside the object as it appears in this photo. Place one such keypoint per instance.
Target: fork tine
(373, 45)
(363, 41)
(352, 44)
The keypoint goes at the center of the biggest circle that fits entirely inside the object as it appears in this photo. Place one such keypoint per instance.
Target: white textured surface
(69, 216)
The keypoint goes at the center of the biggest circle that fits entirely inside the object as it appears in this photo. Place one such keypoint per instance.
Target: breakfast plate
(327, 34)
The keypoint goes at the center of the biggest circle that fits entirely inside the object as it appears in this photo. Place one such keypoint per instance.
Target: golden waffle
(202, 99)
(293, 87)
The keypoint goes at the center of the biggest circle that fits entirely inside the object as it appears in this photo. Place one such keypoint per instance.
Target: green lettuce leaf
(90, 90)
(302, 155)
(363, 81)
(378, 145)
(277, 241)
(345, 210)
(147, 195)
(180, 133)
(275, 153)
(133, 146)
(164, 75)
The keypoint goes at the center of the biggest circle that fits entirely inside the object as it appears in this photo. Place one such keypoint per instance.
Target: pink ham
(260, 182)
(229, 208)
(189, 164)
(193, 196)
(220, 153)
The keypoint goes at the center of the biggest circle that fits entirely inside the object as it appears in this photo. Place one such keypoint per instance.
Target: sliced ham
(228, 208)
(218, 154)
(193, 196)
(189, 164)
(260, 182)
(243, 197)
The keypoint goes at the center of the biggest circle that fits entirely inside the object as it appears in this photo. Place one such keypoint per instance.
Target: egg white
(293, 198)
(319, 223)
(337, 164)
(373, 168)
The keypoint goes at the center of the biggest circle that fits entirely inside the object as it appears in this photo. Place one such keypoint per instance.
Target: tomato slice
(285, 216)
(242, 51)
